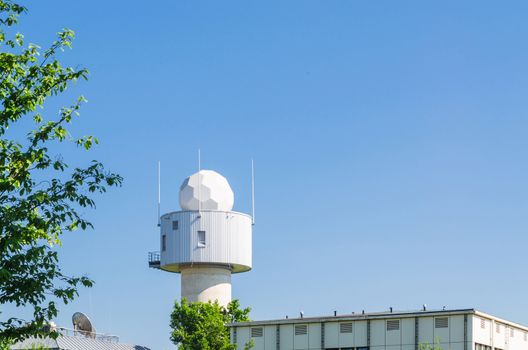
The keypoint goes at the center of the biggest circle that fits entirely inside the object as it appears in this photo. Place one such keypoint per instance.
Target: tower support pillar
(206, 283)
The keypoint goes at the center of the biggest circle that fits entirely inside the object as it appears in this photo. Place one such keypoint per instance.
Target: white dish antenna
(83, 325)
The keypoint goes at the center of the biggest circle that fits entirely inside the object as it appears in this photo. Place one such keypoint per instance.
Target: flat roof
(379, 315)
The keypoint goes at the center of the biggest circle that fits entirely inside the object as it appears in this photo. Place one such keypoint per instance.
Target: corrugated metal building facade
(227, 240)
(465, 329)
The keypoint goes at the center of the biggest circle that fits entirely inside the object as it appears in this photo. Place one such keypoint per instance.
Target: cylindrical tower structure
(206, 241)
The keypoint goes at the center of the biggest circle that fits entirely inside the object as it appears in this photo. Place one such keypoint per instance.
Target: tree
(427, 346)
(204, 326)
(40, 196)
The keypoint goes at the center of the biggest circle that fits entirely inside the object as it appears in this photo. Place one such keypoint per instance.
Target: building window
(257, 332)
(163, 243)
(345, 327)
(512, 333)
(175, 224)
(201, 238)
(482, 347)
(498, 328)
(301, 329)
(441, 322)
(393, 325)
(482, 323)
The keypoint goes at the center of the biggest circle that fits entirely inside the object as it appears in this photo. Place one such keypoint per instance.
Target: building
(465, 329)
(72, 340)
(206, 241)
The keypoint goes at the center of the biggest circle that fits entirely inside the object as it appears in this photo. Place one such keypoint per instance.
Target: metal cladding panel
(377, 333)
(331, 335)
(360, 334)
(442, 335)
(242, 336)
(270, 338)
(228, 240)
(426, 330)
(286, 336)
(300, 342)
(314, 334)
(407, 331)
(393, 337)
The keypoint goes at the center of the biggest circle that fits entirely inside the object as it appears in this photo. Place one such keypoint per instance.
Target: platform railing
(83, 334)
(154, 259)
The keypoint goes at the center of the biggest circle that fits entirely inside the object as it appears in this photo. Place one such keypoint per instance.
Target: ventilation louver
(441, 322)
(345, 327)
(301, 329)
(256, 332)
(393, 325)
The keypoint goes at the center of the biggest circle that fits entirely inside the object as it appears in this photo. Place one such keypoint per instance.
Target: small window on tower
(175, 225)
(201, 238)
(163, 242)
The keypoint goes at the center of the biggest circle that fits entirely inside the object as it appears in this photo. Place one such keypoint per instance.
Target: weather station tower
(206, 241)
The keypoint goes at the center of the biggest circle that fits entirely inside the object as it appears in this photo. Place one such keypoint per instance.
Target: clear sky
(389, 138)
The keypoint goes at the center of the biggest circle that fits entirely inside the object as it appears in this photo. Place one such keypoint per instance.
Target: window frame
(201, 242)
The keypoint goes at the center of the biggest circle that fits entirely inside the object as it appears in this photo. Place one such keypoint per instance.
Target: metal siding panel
(360, 333)
(425, 335)
(377, 333)
(242, 336)
(393, 337)
(331, 335)
(228, 239)
(314, 334)
(286, 337)
(259, 343)
(407, 331)
(300, 342)
(442, 334)
(346, 339)
(270, 335)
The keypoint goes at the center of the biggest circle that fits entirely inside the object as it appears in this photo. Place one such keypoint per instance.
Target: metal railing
(83, 334)
(154, 259)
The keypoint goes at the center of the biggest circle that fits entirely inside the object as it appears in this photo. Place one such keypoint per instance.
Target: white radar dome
(206, 190)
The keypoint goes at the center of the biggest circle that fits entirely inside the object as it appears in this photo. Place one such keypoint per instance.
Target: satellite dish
(83, 325)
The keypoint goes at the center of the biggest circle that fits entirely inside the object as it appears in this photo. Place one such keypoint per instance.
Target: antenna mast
(159, 193)
(199, 182)
(252, 192)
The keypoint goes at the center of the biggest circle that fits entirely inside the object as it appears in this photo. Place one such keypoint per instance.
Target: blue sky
(389, 141)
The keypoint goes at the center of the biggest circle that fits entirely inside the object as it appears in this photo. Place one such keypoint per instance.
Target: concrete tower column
(206, 283)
